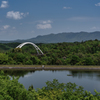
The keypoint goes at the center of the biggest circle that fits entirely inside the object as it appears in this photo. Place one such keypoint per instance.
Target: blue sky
(24, 19)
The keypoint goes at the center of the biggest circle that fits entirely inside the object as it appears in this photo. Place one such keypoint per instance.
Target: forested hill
(77, 53)
(66, 37)
(62, 37)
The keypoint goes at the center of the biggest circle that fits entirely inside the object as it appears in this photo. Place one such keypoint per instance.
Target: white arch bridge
(36, 47)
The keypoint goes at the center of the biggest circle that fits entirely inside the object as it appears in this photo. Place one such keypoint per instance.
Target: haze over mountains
(61, 37)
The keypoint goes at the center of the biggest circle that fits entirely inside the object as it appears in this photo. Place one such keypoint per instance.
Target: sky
(25, 19)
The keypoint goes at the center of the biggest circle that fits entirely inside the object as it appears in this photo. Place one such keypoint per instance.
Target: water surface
(90, 80)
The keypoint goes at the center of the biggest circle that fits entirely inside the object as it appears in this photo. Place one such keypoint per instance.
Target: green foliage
(77, 53)
(74, 59)
(88, 61)
(13, 90)
(3, 58)
(35, 60)
(58, 62)
(29, 62)
(19, 57)
(11, 61)
(60, 91)
(17, 50)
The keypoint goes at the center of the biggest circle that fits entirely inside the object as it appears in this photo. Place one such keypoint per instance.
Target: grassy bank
(51, 66)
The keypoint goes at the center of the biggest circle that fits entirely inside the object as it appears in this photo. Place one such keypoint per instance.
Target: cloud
(45, 22)
(13, 27)
(98, 4)
(16, 15)
(4, 4)
(44, 25)
(95, 28)
(67, 8)
(6, 26)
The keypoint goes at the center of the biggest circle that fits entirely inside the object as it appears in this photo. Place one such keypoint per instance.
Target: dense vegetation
(77, 53)
(13, 90)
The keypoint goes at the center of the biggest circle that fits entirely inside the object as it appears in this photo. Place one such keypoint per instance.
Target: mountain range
(61, 37)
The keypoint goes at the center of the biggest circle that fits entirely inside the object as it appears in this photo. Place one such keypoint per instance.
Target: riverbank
(50, 67)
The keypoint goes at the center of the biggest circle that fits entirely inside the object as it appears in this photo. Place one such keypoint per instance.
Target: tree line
(77, 53)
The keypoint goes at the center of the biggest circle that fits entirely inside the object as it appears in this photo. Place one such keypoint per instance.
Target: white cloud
(98, 4)
(16, 15)
(6, 26)
(4, 4)
(95, 28)
(45, 22)
(44, 25)
(67, 8)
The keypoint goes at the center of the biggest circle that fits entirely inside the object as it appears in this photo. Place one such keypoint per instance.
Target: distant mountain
(61, 37)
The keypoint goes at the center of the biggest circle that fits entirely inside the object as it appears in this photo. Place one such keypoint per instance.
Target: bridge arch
(36, 47)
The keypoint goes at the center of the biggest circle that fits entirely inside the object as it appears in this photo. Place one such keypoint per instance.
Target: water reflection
(90, 80)
(19, 73)
(89, 74)
(79, 74)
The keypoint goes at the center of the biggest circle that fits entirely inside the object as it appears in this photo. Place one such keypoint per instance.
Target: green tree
(12, 89)
(58, 62)
(29, 62)
(88, 61)
(19, 57)
(17, 50)
(3, 58)
(35, 60)
(74, 59)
